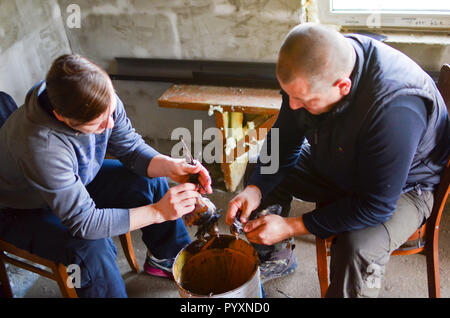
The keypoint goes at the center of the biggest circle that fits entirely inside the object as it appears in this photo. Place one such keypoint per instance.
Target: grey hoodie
(46, 164)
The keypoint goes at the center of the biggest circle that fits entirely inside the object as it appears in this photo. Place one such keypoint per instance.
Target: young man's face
(316, 103)
(96, 126)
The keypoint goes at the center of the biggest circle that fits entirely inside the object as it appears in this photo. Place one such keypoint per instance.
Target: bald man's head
(316, 53)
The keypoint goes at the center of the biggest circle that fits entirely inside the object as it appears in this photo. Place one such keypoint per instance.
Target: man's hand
(271, 229)
(268, 230)
(247, 201)
(179, 171)
(178, 201)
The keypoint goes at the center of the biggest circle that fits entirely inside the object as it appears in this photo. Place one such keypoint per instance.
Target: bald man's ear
(344, 84)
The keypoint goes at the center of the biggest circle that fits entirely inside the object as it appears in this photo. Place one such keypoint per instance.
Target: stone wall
(31, 37)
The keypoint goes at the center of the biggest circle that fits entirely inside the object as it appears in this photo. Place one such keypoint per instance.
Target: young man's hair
(78, 89)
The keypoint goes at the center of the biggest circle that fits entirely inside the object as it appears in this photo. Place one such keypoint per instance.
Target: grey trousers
(358, 258)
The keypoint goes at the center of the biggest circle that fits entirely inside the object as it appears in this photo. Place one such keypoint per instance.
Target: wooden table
(233, 107)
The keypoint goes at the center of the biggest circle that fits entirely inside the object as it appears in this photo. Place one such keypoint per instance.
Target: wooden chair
(429, 231)
(56, 271)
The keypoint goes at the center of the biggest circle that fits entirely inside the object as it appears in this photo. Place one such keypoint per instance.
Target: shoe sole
(157, 272)
(287, 272)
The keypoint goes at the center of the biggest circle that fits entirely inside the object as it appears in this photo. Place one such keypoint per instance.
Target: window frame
(384, 20)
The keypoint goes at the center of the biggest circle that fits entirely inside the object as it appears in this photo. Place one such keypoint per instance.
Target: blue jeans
(41, 232)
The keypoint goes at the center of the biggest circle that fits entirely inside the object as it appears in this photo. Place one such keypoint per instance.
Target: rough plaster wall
(429, 57)
(194, 29)
(244, 30)
(31, 37)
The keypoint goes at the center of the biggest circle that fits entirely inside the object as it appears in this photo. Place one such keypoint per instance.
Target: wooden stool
(56, 272)
(228, 105)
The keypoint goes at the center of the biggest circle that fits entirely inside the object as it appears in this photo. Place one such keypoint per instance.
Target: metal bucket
(223, 267)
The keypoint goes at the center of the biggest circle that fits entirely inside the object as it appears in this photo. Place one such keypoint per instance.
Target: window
(433, 15)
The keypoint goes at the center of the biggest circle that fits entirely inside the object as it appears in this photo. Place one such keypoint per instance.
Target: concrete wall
(244, 30)
(31, 37)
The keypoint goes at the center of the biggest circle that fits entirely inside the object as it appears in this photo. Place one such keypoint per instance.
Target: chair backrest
(7, 107)
(442, 192)
(444, 84)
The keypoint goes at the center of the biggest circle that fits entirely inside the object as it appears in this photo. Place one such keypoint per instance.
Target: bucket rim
(221, 295)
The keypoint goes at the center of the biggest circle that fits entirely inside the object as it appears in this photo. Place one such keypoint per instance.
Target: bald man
(364, 132)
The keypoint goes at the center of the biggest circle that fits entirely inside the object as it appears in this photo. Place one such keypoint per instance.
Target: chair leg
(127, 246)
(4, 280)
(322, 265)
(63, 280)
(432, 255)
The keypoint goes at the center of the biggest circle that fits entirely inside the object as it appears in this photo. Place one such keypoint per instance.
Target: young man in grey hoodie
(60, 198)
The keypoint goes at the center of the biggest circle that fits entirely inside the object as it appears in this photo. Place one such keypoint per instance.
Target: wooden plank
(231, 99)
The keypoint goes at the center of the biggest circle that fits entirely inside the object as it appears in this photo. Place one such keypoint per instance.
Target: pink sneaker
(158, 267)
